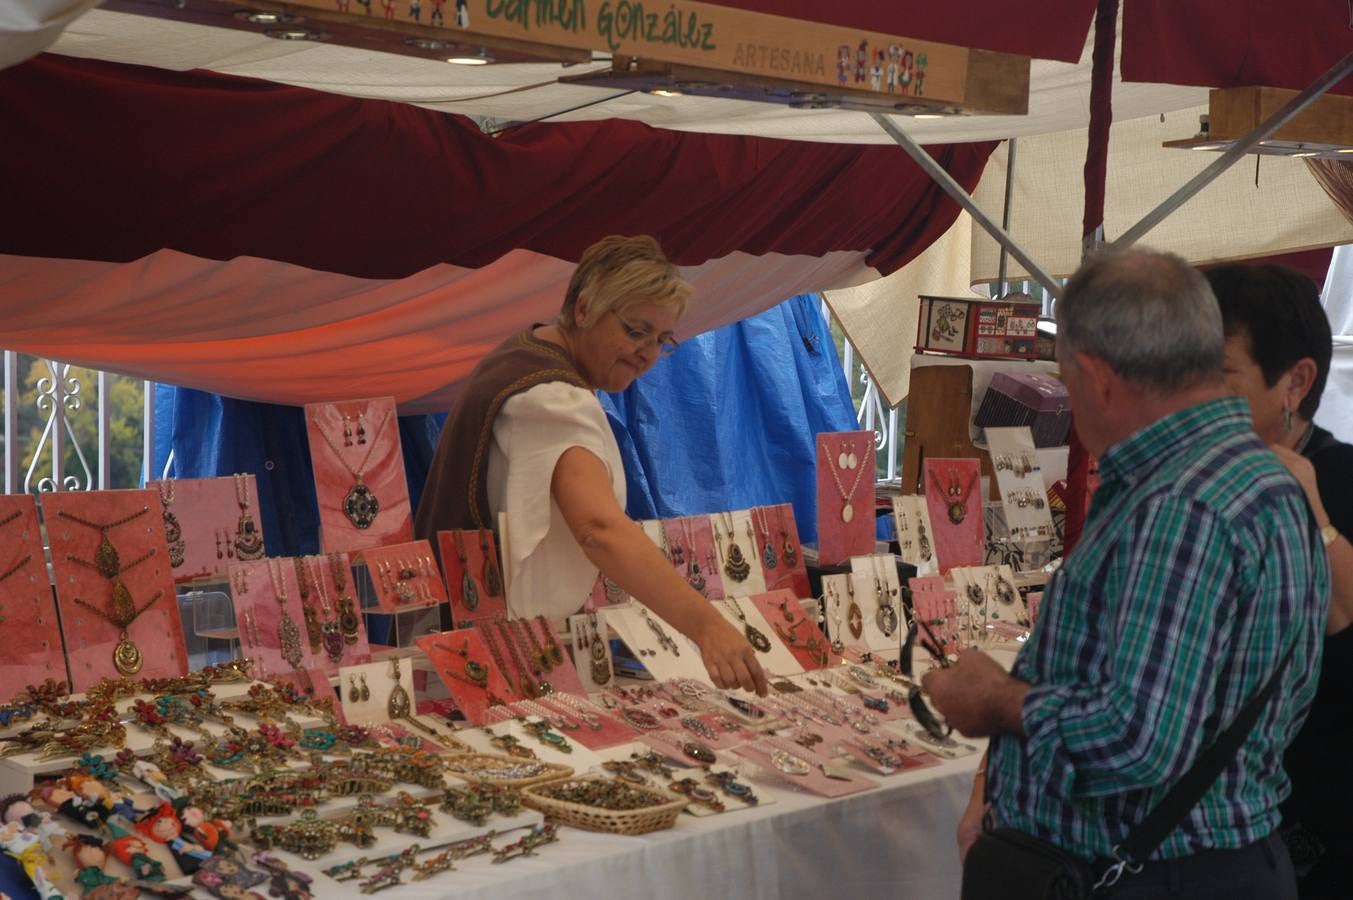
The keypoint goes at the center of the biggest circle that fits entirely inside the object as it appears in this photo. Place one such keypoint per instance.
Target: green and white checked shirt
(1198, 566)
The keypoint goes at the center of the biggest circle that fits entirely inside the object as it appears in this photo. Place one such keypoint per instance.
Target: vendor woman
(529, 438)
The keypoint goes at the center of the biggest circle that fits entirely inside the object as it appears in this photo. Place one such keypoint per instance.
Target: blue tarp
(727, 422)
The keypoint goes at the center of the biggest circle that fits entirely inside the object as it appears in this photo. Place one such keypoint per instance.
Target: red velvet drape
(112, 162)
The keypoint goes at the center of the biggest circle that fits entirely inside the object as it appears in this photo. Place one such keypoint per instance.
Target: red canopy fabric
(1237, 43)
(115, 162)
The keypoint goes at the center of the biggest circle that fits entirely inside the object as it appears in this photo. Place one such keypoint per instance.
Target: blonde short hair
(618, 272)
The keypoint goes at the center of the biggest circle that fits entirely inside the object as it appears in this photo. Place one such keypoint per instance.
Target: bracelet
(980, 773)
(1329, 534)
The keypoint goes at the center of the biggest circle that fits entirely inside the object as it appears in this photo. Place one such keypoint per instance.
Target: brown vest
(456, 494)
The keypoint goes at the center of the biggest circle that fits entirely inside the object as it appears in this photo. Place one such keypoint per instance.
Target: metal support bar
(1233, 154)
(960, 196)
(11, 422)
(1005, 213)
(148, 432)
(105, 418)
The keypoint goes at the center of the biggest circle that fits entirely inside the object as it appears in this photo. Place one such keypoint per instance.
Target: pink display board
(845, 495)
(796, 629)
(953, 492)
(114, 586)
(28, 619)
(937, 607)
(405, 576)
(474, 575)
(359, 474)
(335, 631)
(775, 528)
(209, 523)
(462, 660)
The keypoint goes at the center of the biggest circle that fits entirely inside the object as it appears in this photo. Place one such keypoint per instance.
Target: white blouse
(547, 572)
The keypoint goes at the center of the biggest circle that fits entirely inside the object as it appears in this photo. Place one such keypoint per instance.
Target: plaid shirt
(1198, 567)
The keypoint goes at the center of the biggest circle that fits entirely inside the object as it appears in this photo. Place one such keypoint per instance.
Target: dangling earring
(219, 554)
(361, 428)
(1287, 418)
(353, 696)
(366, 691)
(347, 431)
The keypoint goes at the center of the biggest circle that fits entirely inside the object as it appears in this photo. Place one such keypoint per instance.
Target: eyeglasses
(665, 343)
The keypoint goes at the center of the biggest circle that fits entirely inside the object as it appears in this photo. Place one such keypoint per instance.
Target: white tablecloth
(896, 840)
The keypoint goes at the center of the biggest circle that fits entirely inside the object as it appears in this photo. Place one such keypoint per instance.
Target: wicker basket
(466, 765)
(615, 821)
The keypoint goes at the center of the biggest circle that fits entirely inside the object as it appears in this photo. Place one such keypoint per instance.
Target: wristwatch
(1329, 534)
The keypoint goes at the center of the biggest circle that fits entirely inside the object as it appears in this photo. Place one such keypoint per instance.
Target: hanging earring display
(173, 531)
(248, 539)
(361, 506)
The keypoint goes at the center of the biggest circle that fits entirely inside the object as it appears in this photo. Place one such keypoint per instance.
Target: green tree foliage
(124, 399)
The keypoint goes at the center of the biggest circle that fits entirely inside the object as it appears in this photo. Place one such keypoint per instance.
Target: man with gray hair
(1198, 571)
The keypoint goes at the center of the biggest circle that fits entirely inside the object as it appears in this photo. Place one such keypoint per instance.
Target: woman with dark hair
(1278, 349)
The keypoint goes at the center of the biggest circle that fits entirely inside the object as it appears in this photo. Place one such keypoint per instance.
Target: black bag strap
(1143, 840)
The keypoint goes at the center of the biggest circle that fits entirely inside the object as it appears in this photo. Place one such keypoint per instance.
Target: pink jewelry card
(474, 576)
(797, 630)
(33, 652)
(332, 613)
(270, 616)
(114, 588)
(359, 474)
(953, 489)
(845, 495)
(209, 523)
(465, 665)
(405, 576)
(778, 543)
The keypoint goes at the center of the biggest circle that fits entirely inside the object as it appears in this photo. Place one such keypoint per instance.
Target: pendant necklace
(126, 655)
(955, 496)
(768, 558)
(493, 579)
(361, 506)
(838, 645)
(491, 640)
(398, 704)
(248, 539)
(539, 654)
(600, 666)
(469, 591)
(476, 673)
(347, 607)
(330, 635)
(308, 612)
(531, 687)
(854, 615)
(760, 643)
(675, 553)
(791, 555)
(288, 635)
(846, 460)
(173, 531)
(735, 565)
(693, 576)
(886, 617)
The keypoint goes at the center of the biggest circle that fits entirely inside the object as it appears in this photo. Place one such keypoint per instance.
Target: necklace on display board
(693, 576)
(846, 460)
(173, 531)
(361, 505)
(760, 643)
(735, 565)
(248, 539)
(886, 617)
(791, 555)
(955, 496)
(288, 635)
